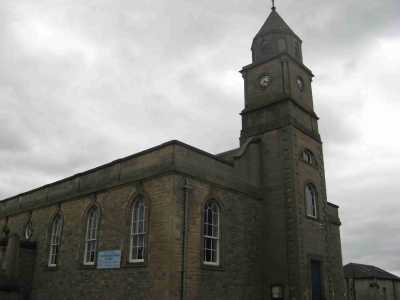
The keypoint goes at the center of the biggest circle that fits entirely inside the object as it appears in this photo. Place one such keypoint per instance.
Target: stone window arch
(211, 233)
(28, 228)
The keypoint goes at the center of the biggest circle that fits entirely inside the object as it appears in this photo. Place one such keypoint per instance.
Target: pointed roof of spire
(275, 23)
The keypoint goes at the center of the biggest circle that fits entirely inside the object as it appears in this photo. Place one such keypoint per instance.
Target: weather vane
(273, 5)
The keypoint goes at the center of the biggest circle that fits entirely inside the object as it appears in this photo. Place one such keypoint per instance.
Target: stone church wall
(312, 239)
(239, 275)
(320, 239)
(335, 253)
(72, 280)
(278, 247)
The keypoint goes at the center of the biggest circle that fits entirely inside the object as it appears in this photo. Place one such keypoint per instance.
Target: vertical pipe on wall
(186, 188)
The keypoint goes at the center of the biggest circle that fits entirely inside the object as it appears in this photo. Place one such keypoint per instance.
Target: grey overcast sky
(83, 82)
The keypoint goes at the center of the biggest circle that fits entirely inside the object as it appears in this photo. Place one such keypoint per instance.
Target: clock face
(265, 81)
(300, 84)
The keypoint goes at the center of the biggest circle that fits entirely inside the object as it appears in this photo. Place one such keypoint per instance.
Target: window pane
(140, 240)
(209, 215)
(141, 212)
(209, 230)
(208, 255)
(141, 227)
(215, 231)
(208, 243)
(140, 253)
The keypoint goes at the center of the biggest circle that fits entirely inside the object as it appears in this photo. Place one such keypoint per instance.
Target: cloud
(85, 82)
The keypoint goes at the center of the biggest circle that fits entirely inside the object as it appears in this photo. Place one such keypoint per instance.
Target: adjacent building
(176, 222)
(365, 282)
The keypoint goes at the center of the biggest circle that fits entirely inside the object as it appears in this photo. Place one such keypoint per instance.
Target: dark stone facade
(266, 238)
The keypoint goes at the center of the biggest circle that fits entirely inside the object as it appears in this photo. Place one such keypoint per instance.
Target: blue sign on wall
(109, 259)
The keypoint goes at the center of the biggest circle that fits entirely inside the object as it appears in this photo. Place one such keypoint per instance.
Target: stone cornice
(280, 55)
(279, 101)
(173, 157)
(284, 122)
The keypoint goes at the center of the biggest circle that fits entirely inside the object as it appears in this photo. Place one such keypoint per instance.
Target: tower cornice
(281, 55)
(281, 100)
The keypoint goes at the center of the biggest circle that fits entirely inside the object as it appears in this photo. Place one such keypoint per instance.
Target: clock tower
(277, 77)
(299, 255)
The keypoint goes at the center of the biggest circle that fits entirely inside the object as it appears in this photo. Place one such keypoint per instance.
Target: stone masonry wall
(71, 280)
(239, 275)
(318, 238)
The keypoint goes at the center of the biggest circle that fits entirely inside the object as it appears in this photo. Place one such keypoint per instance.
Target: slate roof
(275, 23)
(353, 270)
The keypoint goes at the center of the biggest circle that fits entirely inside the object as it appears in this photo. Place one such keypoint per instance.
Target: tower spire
(275, 37)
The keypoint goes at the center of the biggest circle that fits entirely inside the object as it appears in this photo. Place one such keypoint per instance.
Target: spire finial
(273, 5)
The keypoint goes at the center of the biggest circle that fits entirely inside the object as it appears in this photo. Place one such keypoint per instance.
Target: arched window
(311, 201)
(55, 240)
(211, 233)
(308, 157)
(138, 231)
(28, 230)
(92, 224)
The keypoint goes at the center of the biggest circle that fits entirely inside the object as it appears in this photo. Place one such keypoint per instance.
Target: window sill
(314, 219)
(212, 267)
(139, 264)
(51, 268)
(87, 267)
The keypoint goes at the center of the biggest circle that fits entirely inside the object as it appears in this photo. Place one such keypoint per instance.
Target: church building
(176, 222)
